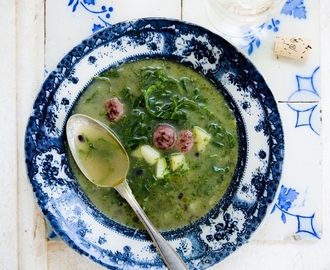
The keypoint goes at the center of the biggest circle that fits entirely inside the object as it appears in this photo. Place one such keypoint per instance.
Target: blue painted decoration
(251, 42)
(295, 8)
(103, 13)
(305, 224)
(306, 87)
(273, 25)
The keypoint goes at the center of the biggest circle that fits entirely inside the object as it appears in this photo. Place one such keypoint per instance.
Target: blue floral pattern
(224, 230)
(234, 219)
(295, 8)
(305, 224)
(273, 25)
(103, 13)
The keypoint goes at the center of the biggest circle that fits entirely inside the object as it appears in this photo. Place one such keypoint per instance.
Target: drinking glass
(241, 18)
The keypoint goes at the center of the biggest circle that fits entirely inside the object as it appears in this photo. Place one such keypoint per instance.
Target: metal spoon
(89, 140)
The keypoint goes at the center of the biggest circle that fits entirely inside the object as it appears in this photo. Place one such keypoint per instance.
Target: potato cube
(137, 152)
(202, 138)
(161, 168)
(149, 154)
(177, 161)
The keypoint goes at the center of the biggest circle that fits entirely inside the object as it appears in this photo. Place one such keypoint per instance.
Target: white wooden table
(36, 34)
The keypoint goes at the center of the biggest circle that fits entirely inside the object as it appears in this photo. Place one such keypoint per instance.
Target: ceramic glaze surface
(232, 222)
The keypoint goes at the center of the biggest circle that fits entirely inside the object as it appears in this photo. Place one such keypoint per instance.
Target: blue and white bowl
(235, 218)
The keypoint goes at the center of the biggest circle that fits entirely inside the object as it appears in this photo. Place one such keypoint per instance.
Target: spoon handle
(172, 260)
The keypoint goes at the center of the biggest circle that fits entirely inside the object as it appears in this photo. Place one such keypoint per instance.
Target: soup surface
(179, 133)
(101, 159)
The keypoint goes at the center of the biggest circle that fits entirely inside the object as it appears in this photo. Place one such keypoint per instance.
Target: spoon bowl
(97, 151)
(104, 161)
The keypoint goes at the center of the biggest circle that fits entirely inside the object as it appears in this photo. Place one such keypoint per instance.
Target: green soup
(154, 92)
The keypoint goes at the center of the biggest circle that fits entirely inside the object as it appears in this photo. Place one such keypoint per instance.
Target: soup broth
(181, 186)
(100, 157)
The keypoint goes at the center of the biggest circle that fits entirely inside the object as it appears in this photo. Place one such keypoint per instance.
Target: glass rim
(244, 18)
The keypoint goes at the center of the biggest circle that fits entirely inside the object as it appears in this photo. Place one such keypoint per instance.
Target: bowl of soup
(202, 131)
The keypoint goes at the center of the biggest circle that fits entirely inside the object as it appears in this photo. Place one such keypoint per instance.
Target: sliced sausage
(115, 109)
(164, 137)
(185, 141)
